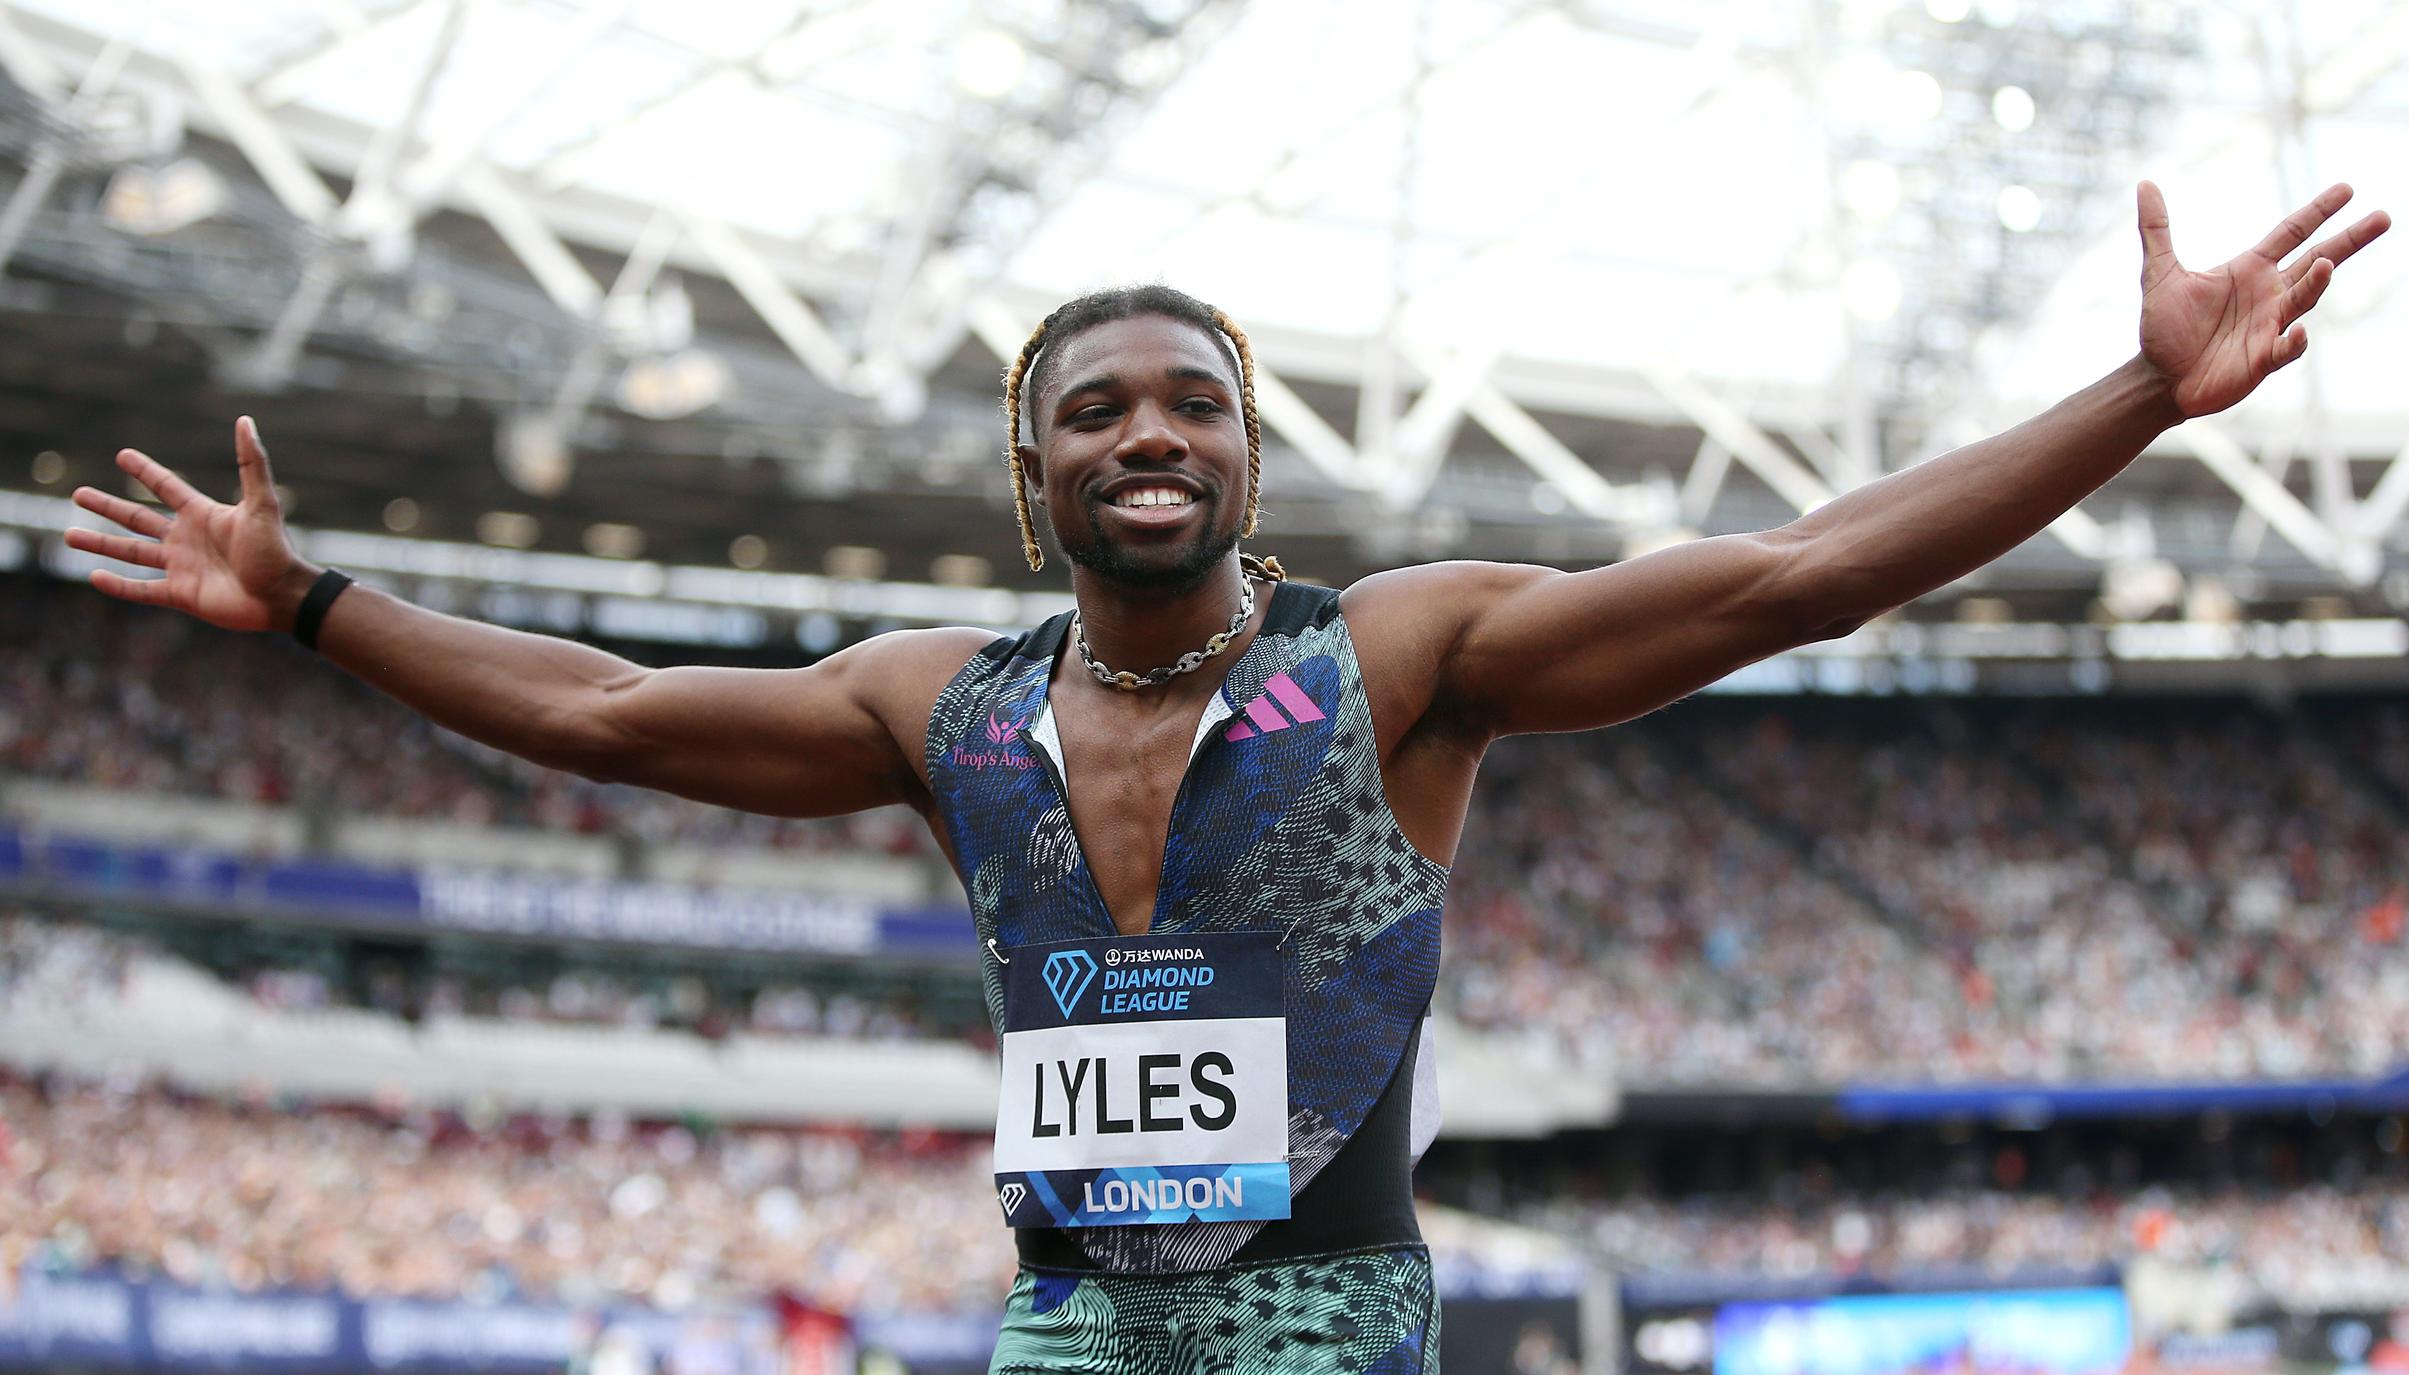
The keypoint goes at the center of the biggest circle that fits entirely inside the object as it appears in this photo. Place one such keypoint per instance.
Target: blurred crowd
(113, 696)
(2305, 1245)
(1725, 892)
(1733, 892)
(253, 1196)
(257, 1195)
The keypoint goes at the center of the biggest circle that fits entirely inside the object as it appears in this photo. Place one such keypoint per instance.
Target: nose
(1150, 437)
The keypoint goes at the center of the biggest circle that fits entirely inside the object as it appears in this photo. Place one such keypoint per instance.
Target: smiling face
(1140, 459)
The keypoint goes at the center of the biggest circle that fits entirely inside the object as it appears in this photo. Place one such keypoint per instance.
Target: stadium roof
(1540, 277)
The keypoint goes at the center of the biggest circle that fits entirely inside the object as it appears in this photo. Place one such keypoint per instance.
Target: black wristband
(321, 595)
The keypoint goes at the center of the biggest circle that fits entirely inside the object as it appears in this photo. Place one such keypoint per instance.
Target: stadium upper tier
(1730, 892)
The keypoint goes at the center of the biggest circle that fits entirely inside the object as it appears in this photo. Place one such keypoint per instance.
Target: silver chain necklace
(1187, 663)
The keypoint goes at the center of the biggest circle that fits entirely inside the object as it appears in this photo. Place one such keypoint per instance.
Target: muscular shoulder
(898, 677)
(902, 672)
(1407, 621)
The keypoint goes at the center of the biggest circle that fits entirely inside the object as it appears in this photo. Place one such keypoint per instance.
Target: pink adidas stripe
(1293, 697)
(1267, 718)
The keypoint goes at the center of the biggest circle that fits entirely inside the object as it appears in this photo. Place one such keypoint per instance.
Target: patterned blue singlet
(1281, 824)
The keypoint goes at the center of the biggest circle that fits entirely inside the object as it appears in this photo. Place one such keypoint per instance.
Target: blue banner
(506, 904)
(2033, 1332)
(100, 1320)
(2033, 1105)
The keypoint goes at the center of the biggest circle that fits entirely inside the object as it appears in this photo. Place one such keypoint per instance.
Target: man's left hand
(2216, 335)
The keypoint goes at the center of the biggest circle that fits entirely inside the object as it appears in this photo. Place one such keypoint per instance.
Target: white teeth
(1153, 496)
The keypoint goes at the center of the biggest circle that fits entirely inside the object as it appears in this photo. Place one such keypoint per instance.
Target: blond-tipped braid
(1020, 483)
(1254, 423)
(1019, 372)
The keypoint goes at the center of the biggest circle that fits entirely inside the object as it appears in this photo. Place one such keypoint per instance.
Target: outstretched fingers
(2290, 345)
(2157, 238)
(162, 481)
(2300, 224)
(252, 457)
(2305, 292)
(2339, 248)
(133, 515)
(123, 548)
(148, 591)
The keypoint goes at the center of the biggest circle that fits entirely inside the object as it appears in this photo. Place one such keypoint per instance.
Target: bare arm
(838, 736)
(1530, 649)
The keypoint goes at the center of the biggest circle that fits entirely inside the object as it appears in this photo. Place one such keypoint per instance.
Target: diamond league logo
(1067, 974)
(1010, 1196)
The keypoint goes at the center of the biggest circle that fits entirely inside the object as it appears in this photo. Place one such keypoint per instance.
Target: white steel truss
(876, 325)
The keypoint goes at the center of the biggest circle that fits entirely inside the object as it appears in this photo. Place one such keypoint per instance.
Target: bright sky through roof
(1645, 184)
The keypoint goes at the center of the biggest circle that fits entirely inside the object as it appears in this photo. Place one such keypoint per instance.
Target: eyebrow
(1179, 372)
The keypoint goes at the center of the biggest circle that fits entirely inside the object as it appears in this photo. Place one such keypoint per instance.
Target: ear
(1033, 472)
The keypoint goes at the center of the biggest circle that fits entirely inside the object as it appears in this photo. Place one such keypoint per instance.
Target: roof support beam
(1704, 482)
(431, 179)
(372, 214)
(795, 323)
(2223, 456)
(1756, 451)
(636, 276)
(372, 188)
(43, 170)
(41, 178)
(26, 63)
(1525, 438)
(271, 154)
(2389, 502)
(545, 257)
(1421, 438)
(1288, 416)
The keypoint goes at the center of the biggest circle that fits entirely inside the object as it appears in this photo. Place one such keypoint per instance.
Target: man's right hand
(232, 566)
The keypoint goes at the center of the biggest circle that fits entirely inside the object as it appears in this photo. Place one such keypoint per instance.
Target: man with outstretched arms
(1205, 820)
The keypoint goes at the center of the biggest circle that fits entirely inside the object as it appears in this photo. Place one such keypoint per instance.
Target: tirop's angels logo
(1002, 751)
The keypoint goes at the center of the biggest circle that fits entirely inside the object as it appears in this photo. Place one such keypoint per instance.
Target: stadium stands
(1732, 894)
(1727, 892)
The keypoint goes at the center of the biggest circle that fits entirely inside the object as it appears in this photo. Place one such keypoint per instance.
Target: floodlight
(611, 540)
(162, 200)
(2013, 107)
(2019, 209)
(989, 64)
(960, 570)
(1871, 289)
(509, 529)
(678, 384)
(1918, 96)
(534, 454)
(1870, 189)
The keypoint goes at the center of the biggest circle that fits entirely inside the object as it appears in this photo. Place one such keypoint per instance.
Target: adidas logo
(1010, 1196)
(1263, 714)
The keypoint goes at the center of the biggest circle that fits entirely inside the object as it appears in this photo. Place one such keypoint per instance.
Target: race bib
(1145, 1081)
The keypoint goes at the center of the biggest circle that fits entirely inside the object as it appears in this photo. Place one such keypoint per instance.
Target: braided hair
(1124, 303)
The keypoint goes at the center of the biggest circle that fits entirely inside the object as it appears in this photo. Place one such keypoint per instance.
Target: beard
(1119, 564)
